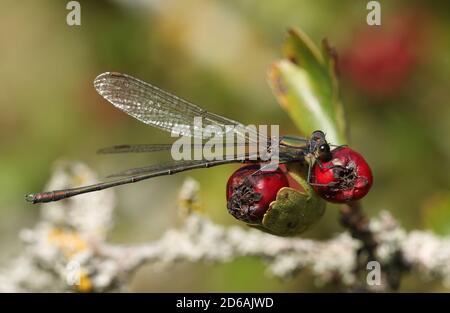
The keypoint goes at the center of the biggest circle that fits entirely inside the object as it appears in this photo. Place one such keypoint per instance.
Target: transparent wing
(183, 165)
(135, 148)
(138, 148)
(172, 166)
(163, 110)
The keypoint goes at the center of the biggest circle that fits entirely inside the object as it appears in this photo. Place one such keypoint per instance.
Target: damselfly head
(320, 147)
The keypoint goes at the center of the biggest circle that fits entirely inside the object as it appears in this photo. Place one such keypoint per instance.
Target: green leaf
(436, 213)
(292, 213)
(305, 84)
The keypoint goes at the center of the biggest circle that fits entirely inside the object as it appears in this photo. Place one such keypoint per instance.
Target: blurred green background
(395, 86)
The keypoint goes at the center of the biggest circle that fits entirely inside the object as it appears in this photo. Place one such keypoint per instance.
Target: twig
(358, 224)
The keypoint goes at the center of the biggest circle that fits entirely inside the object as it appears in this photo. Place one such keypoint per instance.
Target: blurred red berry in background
(380, 59)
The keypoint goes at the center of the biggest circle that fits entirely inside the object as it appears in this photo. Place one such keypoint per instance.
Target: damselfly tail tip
(31, 198)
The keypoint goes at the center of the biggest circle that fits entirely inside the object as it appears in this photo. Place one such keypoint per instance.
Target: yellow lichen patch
(79, 180)
(68, 242)
(186, 207)
(188, 198)
(85, 284)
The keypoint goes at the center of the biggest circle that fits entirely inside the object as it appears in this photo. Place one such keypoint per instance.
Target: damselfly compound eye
(345, 177)
(250, 192)
(324, 152)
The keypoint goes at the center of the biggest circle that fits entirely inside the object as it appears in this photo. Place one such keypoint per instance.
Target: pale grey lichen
(388, 235)
(428, 255)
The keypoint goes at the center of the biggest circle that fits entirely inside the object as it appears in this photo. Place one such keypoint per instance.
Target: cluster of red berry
(344, 178)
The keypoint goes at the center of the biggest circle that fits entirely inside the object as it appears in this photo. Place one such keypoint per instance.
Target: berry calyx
(250, 192)
(346, 177)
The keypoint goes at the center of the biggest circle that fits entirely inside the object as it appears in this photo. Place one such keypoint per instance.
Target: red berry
(250, 192)
(344, 178)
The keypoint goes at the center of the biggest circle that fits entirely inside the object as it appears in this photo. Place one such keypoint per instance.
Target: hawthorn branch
(358, 224)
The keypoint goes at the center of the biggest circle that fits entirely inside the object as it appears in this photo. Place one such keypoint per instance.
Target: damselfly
(167, 112)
